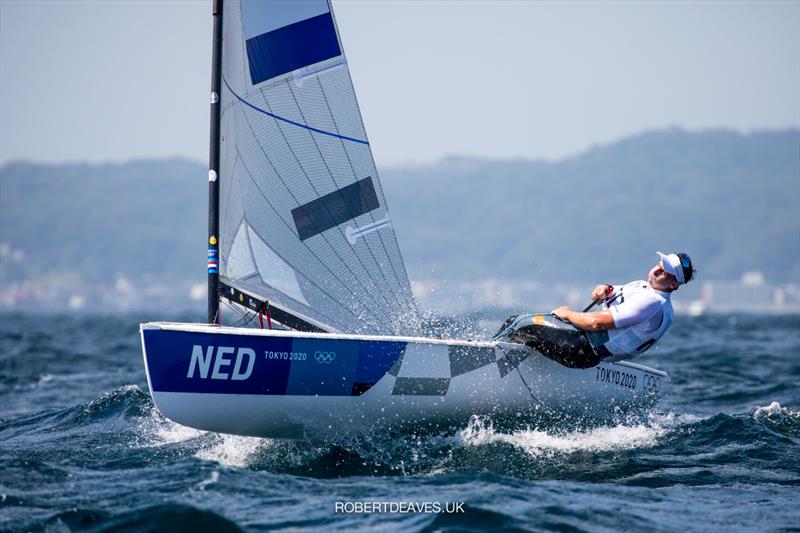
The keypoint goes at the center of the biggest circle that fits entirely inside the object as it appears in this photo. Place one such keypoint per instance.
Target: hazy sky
(114, 80)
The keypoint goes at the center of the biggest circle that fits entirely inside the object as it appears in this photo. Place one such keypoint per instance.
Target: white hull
(433, 383)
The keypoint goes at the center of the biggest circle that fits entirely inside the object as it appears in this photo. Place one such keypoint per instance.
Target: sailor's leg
(568, 347)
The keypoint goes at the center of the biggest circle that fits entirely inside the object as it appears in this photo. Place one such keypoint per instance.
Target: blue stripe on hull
(292, 47)
(180, 361)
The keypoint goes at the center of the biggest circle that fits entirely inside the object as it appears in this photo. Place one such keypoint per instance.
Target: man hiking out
(633, 317)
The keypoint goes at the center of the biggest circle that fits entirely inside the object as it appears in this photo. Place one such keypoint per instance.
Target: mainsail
(303, 219)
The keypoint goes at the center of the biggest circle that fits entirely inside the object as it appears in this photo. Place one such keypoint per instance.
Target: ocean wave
(474, 446)
(541, 442)
(534, 452)
(126, 396)
(774, 409)
(82, 446)
(121, 404)
(780, 419)
(232, 450)
(212, 479)
(156, 430)
(166, 517)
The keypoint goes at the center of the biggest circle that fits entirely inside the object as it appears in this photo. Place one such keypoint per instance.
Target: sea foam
(542, 442)
(232, 450)
(775, 409)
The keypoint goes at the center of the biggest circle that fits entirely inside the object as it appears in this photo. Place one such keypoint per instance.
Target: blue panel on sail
(332, 209)
(292, 47)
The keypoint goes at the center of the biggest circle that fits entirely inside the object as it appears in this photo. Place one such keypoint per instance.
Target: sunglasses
(686, 265)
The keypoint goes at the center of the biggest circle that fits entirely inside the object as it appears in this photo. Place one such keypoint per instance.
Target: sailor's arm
(587, 321)
(634, 309)
(602, 292)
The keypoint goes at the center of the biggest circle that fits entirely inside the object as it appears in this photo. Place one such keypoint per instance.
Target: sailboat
(300, 236)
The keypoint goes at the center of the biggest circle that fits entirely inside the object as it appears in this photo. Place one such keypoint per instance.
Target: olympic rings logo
(325, 357)
(652, 383)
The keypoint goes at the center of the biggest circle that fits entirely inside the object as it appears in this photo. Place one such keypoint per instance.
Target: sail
(303, 219)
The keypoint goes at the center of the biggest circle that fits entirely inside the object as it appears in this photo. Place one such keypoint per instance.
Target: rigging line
(292, 122)
(516, 367)
(375, 282)
(350, 162)
(319, 260)
(245, 319)
(314, 188)
(224, 303)
(528, 387)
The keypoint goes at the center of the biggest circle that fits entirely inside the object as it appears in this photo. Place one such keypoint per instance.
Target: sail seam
(292, 122)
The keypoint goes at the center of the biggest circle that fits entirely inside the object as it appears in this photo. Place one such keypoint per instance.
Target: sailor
(633, 317)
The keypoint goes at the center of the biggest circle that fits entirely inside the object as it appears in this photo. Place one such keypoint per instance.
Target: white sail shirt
(641, 315)
(637, 304)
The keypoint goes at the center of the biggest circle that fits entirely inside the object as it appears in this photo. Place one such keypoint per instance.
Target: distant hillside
(731, 200)
(144, 220)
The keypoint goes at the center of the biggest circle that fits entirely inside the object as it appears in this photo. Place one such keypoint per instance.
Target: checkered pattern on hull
(429, 369)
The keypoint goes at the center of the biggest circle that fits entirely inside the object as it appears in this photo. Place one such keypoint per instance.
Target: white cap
(672, 265)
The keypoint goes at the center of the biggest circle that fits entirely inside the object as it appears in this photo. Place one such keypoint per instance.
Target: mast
(213, 168)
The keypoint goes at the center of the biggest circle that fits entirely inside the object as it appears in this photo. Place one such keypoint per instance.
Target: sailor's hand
(563, 312)
(601, 292)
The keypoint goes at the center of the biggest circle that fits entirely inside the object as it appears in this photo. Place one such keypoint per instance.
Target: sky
(116, 80)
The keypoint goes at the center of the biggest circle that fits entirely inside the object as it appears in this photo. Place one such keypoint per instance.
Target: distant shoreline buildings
(750, 294)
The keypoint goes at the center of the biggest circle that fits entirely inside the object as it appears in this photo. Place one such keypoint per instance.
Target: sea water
(83, 448)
